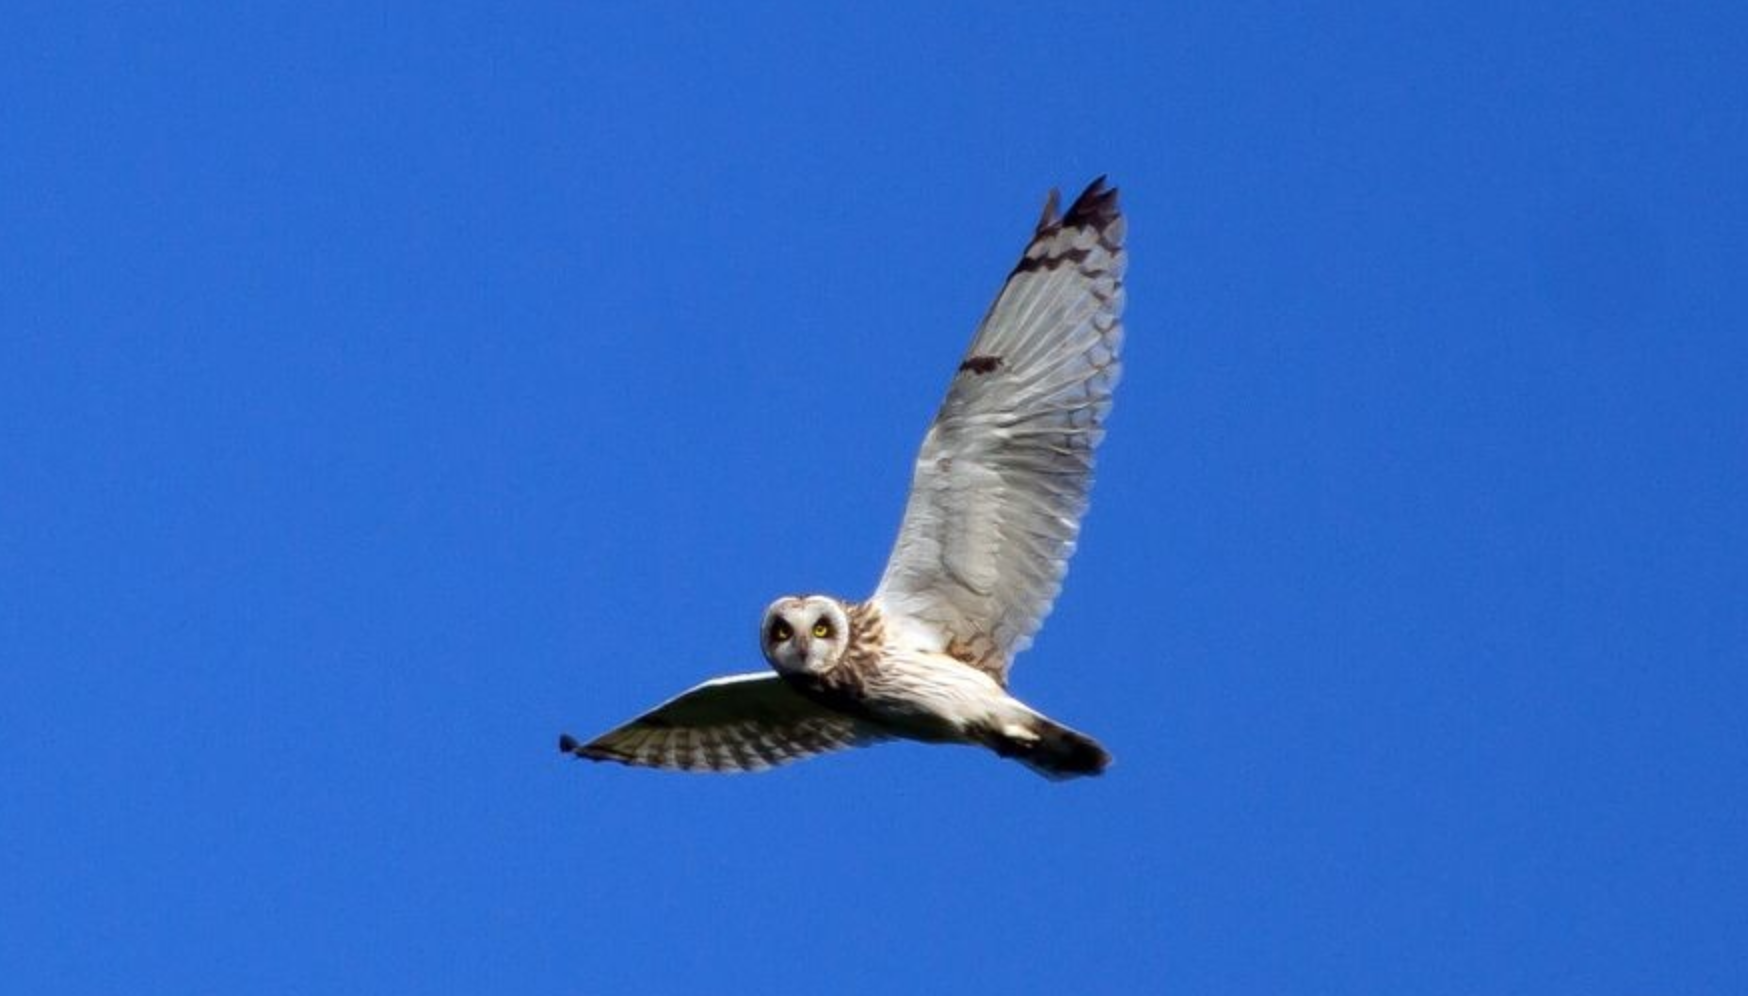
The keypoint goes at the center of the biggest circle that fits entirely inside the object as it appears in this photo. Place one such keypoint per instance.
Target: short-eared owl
(995, 506)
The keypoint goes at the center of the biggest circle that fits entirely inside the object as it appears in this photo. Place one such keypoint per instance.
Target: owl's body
(910, 686)
(994, 512)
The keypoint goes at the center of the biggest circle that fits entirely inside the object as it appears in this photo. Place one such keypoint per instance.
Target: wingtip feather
(1049, 216)
(1096, 206)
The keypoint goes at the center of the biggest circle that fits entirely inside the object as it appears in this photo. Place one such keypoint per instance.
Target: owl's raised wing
(1004, 472)
(742, 722)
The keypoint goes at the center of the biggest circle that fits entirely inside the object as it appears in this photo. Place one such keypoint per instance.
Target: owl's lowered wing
(742, 722)
(1004, 472)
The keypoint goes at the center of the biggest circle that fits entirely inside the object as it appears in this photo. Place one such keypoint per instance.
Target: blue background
(386, 389)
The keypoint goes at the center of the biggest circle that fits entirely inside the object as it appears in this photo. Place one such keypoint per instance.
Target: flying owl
(995, 505)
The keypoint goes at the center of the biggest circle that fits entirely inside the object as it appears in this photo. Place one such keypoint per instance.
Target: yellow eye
(780, 631)
(822, 629)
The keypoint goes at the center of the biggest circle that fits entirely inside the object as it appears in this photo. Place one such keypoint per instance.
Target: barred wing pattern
(1004, 473)
(742, 722)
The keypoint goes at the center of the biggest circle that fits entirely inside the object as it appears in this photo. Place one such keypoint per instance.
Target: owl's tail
(1053, 750)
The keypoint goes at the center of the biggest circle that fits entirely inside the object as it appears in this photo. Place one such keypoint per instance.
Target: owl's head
(805, 634)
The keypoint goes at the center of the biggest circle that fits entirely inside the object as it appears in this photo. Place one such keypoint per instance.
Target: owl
(996, 499)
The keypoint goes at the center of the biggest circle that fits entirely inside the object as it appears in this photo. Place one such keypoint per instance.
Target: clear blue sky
(384, 390)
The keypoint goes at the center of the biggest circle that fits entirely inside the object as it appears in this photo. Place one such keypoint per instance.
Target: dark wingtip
(568, 744)
(1096, 206)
